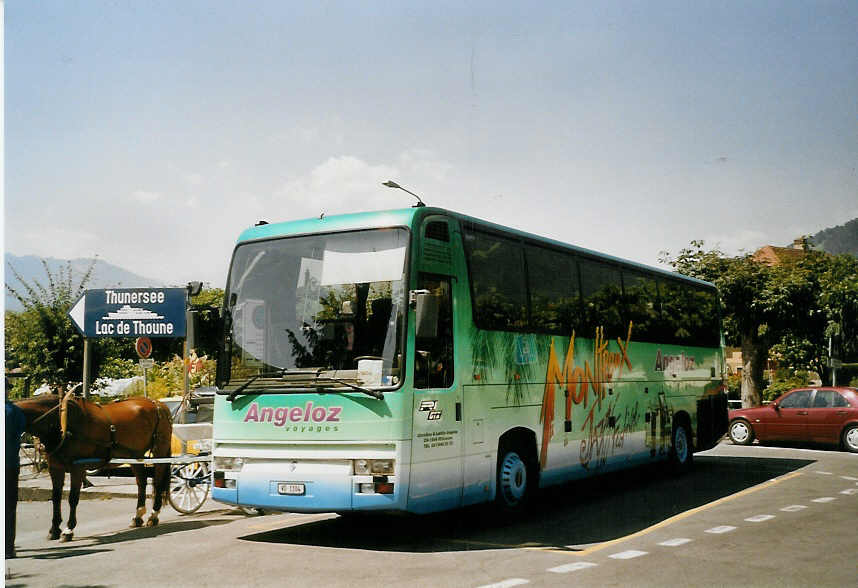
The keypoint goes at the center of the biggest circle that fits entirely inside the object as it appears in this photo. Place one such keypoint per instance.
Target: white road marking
(630, 554)
(849, 491)
(849, 478)
(825, 473)
(721, 529)
(794, 508)
(581, 565)
(760, 518)
(824, 499)
(675, 542)
(507, 583)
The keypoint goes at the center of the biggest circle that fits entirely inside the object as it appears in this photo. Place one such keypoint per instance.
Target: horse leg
(160, 483)
(76, 480)
(140, 475)
(58, 475)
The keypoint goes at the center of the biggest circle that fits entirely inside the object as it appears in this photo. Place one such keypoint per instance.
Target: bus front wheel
(515, 479)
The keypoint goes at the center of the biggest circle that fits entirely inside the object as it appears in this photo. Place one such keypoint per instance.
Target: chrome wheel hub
(739, 432)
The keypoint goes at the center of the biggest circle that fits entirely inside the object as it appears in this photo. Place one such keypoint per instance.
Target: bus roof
(331, 224)
(406, 217)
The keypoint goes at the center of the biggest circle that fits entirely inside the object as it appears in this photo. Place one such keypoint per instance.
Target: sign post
(146, 365)
(86, 375)
(143, 345)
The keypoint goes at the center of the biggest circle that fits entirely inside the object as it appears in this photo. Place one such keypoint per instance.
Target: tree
(42, 340)
(208, 324)
(746, 312)
(790, 309)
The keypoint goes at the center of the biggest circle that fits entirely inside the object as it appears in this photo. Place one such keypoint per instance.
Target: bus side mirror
(427, 315)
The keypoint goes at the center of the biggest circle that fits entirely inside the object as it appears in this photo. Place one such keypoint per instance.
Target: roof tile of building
(771, 255)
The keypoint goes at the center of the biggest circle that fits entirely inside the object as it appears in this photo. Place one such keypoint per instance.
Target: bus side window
(602, 290)
(433, 363)
(642, 305)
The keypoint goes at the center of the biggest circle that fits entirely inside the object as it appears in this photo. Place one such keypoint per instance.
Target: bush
(116, 369)
(784, 382)
(164, 378)
(734, 386)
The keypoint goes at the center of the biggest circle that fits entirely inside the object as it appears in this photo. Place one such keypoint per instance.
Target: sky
(152, 133)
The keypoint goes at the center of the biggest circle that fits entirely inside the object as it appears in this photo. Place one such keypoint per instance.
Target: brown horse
(78, 434)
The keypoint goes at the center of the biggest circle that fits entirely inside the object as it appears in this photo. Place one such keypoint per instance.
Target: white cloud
(423, 163)
(145, 197)
(338, 184)
(193, 180)
(347, 183)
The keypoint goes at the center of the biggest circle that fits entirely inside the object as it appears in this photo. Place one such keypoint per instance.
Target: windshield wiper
(243, 387)
(317, 380)
(377, 394)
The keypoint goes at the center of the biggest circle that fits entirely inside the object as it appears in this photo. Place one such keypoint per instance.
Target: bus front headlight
(382, 466)
(378, 467)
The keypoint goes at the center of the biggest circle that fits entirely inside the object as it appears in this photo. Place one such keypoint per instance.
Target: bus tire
(681, 450)
(516, 477)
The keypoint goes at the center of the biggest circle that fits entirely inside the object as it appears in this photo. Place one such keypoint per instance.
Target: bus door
(436, 450)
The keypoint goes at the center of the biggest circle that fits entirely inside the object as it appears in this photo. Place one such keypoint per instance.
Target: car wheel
(850, 438)
(515, 480)
(681, 452)
(741, 432)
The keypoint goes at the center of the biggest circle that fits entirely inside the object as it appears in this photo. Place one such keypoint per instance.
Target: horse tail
(163, 431)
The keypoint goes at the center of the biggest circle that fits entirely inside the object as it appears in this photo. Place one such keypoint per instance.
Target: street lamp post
(392, 184)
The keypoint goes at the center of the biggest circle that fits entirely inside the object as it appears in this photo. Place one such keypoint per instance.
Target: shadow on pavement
(86, 545)
(575, 514)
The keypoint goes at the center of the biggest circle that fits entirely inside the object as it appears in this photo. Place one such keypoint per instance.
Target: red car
(817, 415)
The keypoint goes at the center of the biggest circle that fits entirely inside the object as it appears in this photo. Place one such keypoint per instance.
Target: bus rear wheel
(515, 479)
(681, 452)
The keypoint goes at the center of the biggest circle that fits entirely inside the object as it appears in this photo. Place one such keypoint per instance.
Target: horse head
(43, 418)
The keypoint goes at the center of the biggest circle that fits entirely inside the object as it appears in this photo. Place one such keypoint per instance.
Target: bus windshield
(327, 302)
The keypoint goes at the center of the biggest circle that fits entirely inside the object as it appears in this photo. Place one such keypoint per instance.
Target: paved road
(750, 516)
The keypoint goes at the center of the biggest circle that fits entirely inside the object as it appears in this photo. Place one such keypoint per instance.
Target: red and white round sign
(143, 346)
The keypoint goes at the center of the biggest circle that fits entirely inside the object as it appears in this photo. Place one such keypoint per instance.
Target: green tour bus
(420, 360)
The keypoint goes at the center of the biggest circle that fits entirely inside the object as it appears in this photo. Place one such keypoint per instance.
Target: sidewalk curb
(31, 494)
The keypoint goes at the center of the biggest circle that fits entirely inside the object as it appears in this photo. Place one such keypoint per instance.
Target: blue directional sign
(131, 312)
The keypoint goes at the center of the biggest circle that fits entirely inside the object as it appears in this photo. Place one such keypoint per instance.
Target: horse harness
(112, 444)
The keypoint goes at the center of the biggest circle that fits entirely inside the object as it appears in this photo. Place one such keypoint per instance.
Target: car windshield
(327, 302)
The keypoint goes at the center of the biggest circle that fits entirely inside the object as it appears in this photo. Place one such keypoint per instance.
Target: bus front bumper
(310, 485)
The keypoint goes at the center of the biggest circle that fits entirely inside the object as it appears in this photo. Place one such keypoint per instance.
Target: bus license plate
(290, 489)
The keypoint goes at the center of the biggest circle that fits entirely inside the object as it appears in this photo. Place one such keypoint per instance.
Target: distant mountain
(840, 239)
(104, 275)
